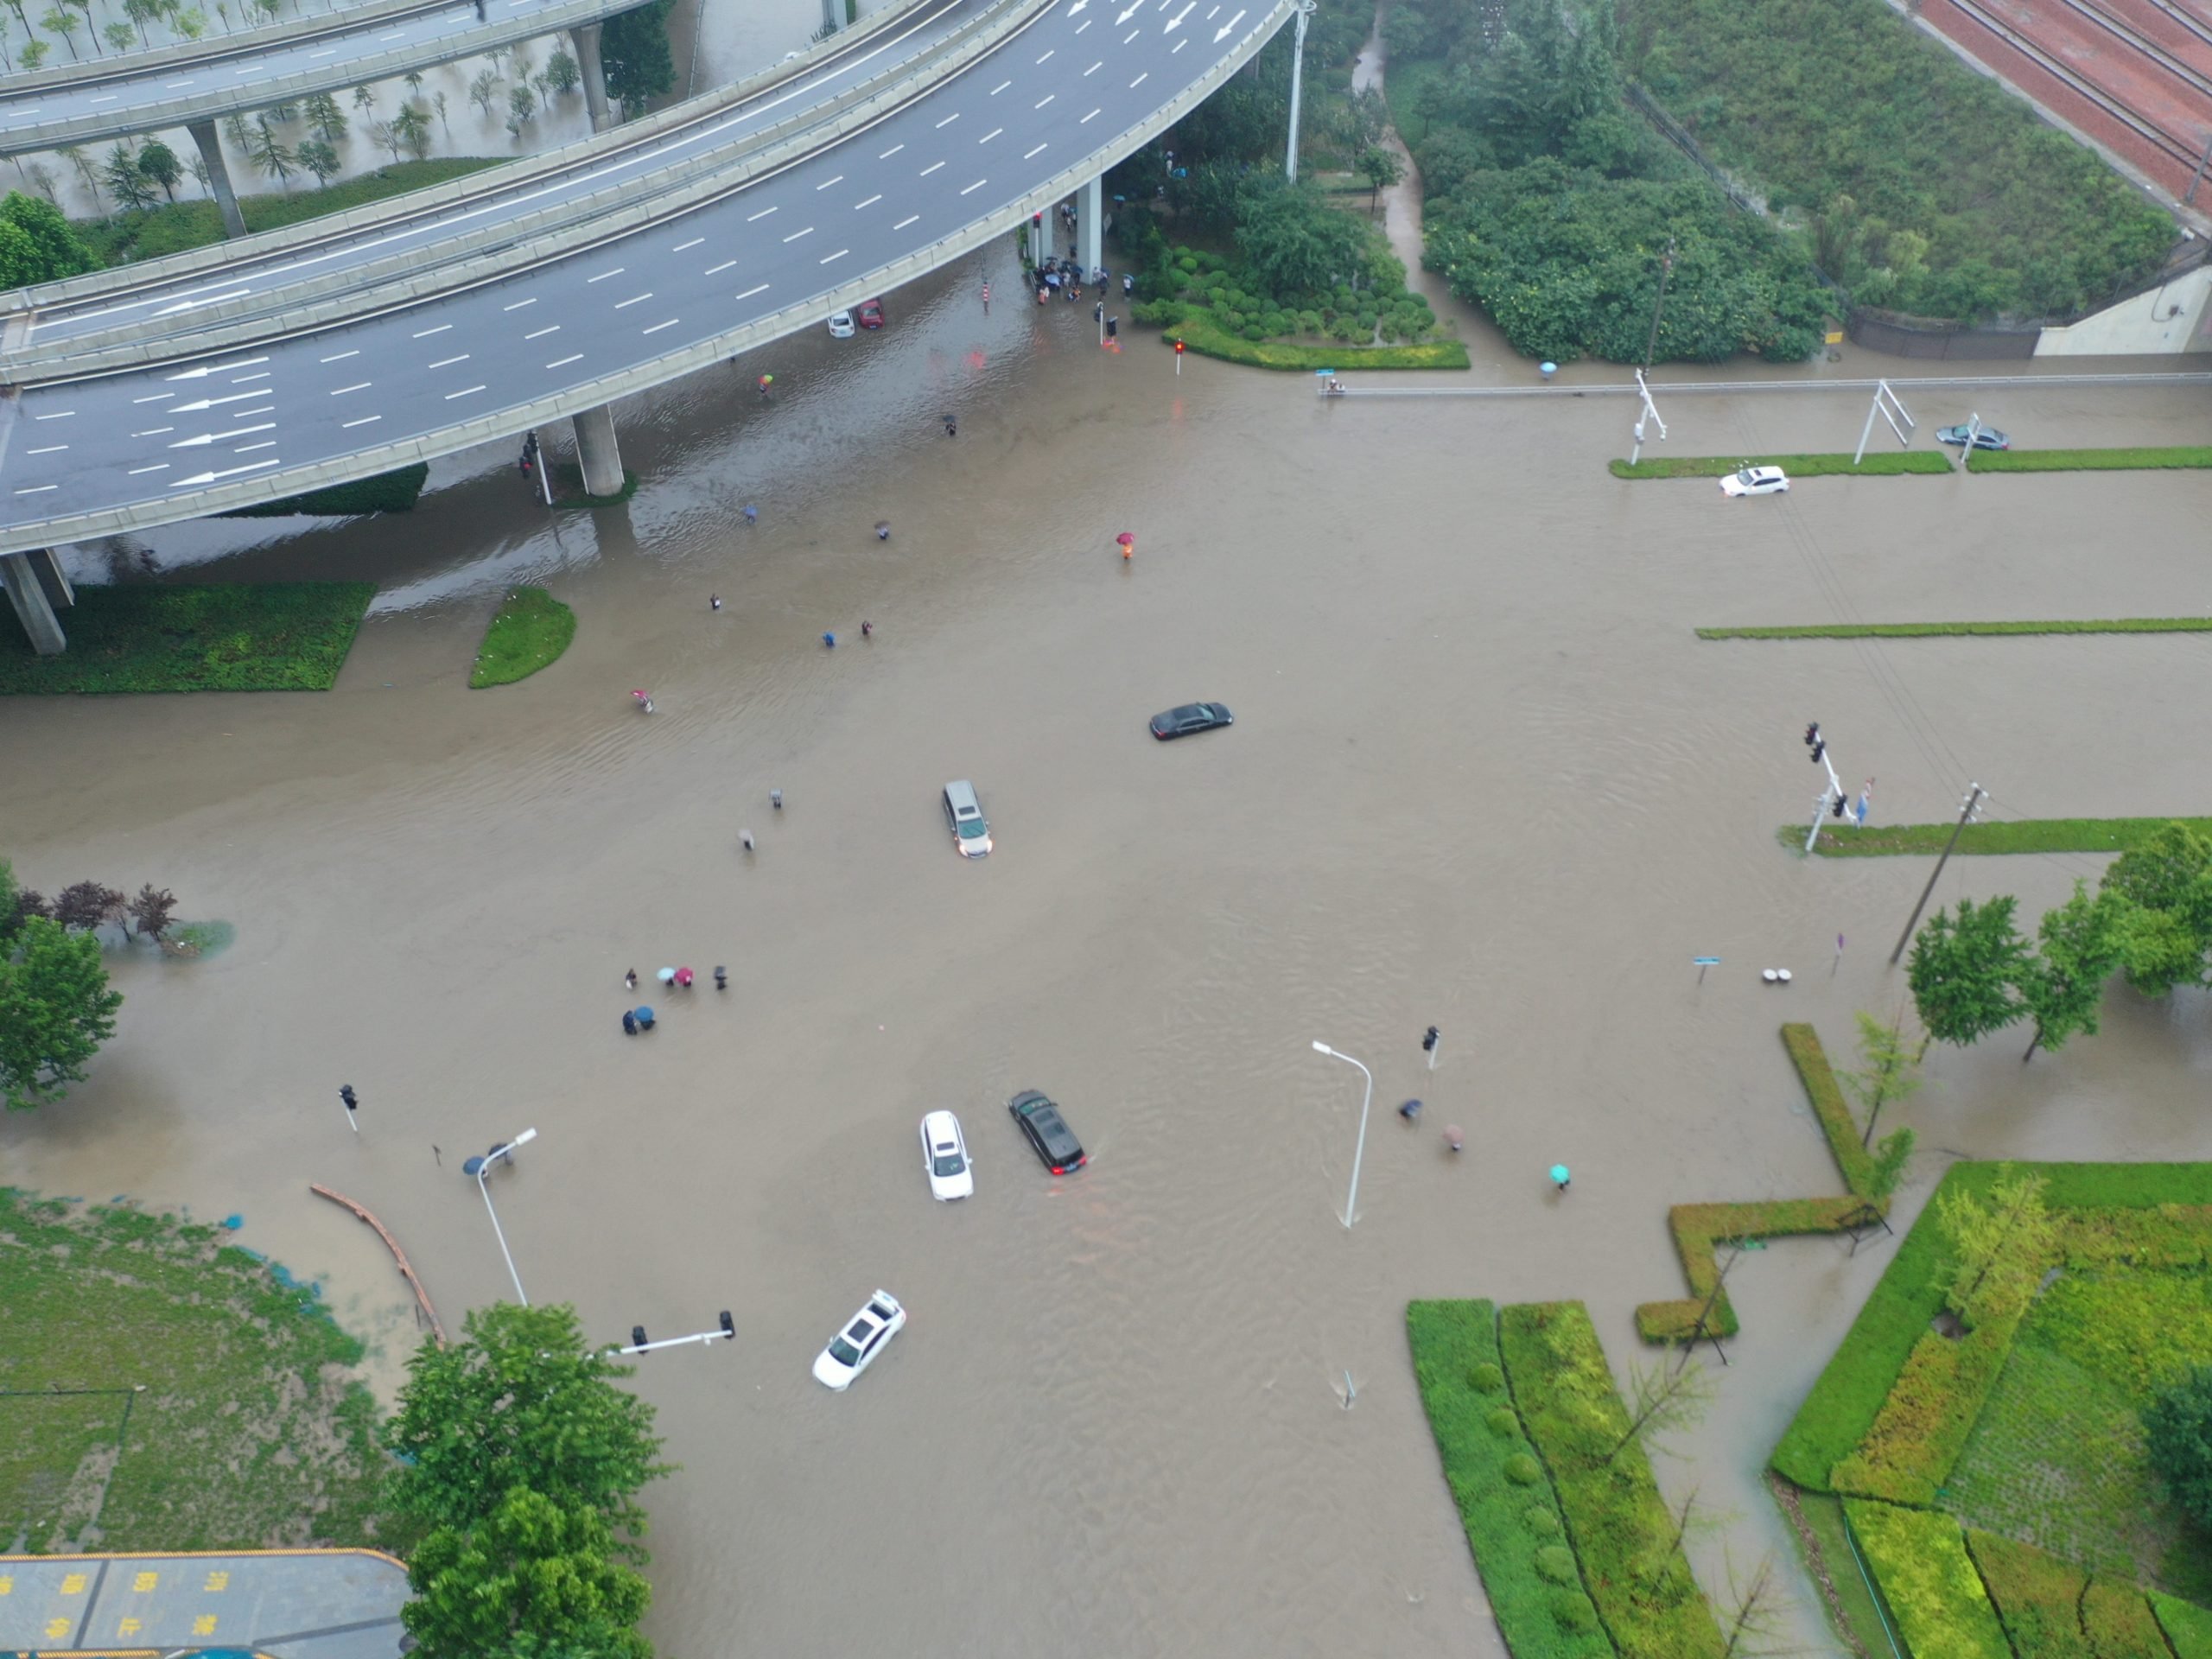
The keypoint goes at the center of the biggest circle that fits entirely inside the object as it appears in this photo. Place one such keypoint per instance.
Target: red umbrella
(684, 976)
(1126, 539)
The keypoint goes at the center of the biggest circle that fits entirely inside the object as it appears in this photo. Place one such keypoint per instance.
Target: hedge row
(1969, 630)
(1197, 329)
(1880, 464)
(1830, 1107)
(394, 491)
(1921, 1430)
(2016, 836)
(1934, 1595)
(1511, 1516)
(1622, 1531)
(266, 636)
(2088, 461)
(2053, 1609)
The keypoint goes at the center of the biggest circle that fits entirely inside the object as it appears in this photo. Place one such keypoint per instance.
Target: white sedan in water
(1756, 480)
(945, 1157)
(854, 1348)
(840, 325)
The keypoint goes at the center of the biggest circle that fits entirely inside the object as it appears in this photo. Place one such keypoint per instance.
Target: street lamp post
(1360, 1146)
(1297, 86)
(482, 1167)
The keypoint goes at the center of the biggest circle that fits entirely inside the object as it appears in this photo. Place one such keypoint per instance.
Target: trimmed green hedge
(1202, 335)
(2015, 835)
(394, 491)
(1934, 1595)
(2038, 1597)
(2188, 1626)
(1921, 1429)
(2088, 461)
(530, 630)
(2119, 1623)
(1621, 1527)
(1830, 1107)
(1509, 1526)
(1947, 630)
(268, 636)
(1882, 464)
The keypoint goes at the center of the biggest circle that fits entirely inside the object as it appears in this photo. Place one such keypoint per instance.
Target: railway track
(2187, 19)
(2175, 147)
(2158, 56)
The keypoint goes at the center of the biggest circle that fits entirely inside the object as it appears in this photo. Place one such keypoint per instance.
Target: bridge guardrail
(515, 243)
(505, 423)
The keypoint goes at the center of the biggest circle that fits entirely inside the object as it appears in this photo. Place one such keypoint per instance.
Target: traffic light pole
(1974, 799)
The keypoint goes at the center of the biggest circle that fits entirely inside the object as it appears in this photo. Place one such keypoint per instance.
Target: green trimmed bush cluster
(1922, 1427)
(1238, 303)
(2038, 1597)
(1623, 1532)
(1944, 630)
(1920, 1560)
(1881, 464)
(2090, 460)
(2003, 837)
(1198, 330)
(1509, 1527)
(393, 491)
(1829, 1106)
(270, 636)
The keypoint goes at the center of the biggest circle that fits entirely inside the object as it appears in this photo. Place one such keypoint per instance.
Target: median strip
(1875, 465)
(2013, 837)
(1946, 630)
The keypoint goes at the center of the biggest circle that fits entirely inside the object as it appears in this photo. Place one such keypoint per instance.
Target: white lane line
(158, 395)
(950, 119)
(758, 287)
(1131, 36)
(447, 362)
(717, 270)
(763, 213)
(542, 332)
(1181, 44)
(104, 98)
(158, 467)
(359, 385)
(1209, 15)
(38, 489)
(684, 247)
(992, 134)
(604, 275)
(338, 357)
(930, 168)
(870, 202)
(840, 254)
(826, 183)
(905, 222)
(657, 327)
(466, 392)
(563, 362)
(364, 420)
(889, 152)
(266, 443)
(240, 379)
(795, 235)
(1043, 101)
(248, 414)
(63, 416)
(171, 85)
(1086, 119)
(1001, 87)
(396, 35)
(974, 187)
(1086, 24)
(1038, 151)
(424, 333)
(516, 306)
(635, 299)
(50, 449)
(153, 432)
(326, 51)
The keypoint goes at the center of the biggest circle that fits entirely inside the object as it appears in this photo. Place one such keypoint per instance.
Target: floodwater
(1482, 776)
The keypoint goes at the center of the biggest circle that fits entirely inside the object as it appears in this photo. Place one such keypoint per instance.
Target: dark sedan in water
(1047, 1133)
(1190, 717)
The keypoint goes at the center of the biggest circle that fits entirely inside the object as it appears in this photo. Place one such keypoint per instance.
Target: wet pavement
(1482, 777)
(286, 1604)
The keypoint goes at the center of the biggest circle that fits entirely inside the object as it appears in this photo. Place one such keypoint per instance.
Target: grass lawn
(174, 226)
(2088, 461)
(1942, 630)
(270, 636)
(1827, 1553)
(1877, 465)
(2019, 835)
(531, 629)
(226, 1420)
(1204, 335)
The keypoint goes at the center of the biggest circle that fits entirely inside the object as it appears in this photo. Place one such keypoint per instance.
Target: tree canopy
(2177, 1435)
(37, 244)
(633, 53)
(1963, 970)
(55, 1008)
(532, 1576)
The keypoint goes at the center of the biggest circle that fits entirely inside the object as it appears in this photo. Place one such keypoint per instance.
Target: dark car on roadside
(869, 314)
(1047, 1132)
(1190, 717)
(1988, 437)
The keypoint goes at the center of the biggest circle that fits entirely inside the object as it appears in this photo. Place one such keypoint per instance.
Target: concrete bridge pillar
(1090, 221)
(586, 36)
(27, 594)
(218, 180)
(597, 452)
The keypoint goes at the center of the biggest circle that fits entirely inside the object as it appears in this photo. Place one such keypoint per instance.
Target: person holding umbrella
(1129, 543)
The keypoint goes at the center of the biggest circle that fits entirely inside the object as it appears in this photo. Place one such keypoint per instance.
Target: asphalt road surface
(976, 146)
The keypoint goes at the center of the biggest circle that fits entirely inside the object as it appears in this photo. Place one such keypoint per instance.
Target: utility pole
(1974, 799)
(1297, 81)
(1666, 270)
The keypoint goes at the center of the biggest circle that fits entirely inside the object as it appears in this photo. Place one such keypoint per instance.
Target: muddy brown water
(1482, 776)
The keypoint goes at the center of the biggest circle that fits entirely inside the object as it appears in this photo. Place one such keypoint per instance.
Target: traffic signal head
(346, 1093)
(1428, 1041)
(636, 1336)
(1037, 218)
(729, 1325)
(1179, 345)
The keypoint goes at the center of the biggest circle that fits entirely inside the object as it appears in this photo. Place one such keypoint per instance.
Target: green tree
(1892, 1158)
(634, 55)
(60, 20)
(438, 102)
(522, 104)
(118, 36)
(2062, 986)
(55, 1011)
(50, 248)
(270, 155)
(318, 158)
(35, 51)
(143, 12)
(158, 164)
(2167, 927)
(384, 135)
(2177, 1435)
(484, 91)
(520, 1401)
(190, 21)
(412, 128)
(562, 71)
(1381, 169)
(1963, 971)
(1889, 1070)
(531, 1569)
(325, 119)
(1294, 241)
(124, 182)
(2000, 1248)
(364, 98)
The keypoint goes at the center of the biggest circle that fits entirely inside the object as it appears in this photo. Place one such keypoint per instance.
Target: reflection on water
(1482, 776)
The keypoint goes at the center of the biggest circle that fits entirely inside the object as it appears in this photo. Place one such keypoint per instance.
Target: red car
(869, 314)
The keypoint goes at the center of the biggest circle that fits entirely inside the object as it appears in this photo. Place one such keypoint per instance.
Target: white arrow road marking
(1222, 33)
(216, 437)
(1176, 21)
(210, 403)
(212, 299)
(1130, 13)
(199, 479)
(1076, 8)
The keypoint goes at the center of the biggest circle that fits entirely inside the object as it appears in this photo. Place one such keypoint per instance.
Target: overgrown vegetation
(230, 1419)
(274, 636)
(1920, 1558)
(529, 630)
(173, 227)
(37, 245)
(1881, 464)
(1939, 630)
(2004, 837)
(1248, 303)
(2153, 459)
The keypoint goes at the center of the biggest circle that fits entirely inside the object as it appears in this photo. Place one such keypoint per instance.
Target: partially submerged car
(854, 1348)
(1755, 480)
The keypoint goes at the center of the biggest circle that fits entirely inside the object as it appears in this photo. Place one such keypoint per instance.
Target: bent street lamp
(1351, 1198)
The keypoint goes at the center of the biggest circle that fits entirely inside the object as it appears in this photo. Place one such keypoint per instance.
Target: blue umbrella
(645, 1017)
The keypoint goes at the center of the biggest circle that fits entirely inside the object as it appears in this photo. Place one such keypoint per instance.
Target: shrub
(1489, 1377)
(1574, 1612)
(1880, 464)
(1522, 1469)
(1502, 1422)
(1543, 1522)
(2119, 1623)
(1556, 1563)
(2177, 1434)
(1922, 1425)
(1933, 1593)
(1830, 1107)
(1700, 1228)
(2037, 1596)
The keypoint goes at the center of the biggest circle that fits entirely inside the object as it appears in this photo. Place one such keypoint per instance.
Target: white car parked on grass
(945, 1156)
(1756, 480)
(854, 1348)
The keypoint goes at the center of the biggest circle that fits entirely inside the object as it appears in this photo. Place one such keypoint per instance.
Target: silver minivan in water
(963, 816)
